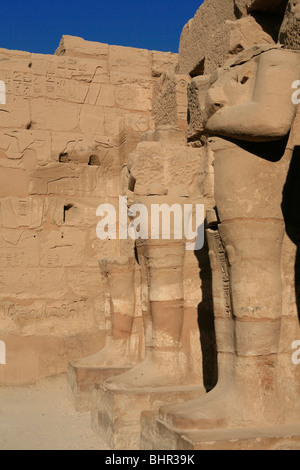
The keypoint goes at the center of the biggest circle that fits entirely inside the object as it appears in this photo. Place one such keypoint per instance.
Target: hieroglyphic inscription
(57, 83)
(225, 272)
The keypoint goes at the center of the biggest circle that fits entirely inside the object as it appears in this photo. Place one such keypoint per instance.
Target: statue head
(289, 34)
(293, 8)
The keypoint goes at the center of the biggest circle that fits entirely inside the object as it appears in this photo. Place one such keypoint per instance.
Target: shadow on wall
(269, 18)
(206, 322)
(291, 213)
(272, 151)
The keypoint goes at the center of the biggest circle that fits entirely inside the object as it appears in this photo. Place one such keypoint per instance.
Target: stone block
(84, 282)
(59, 178)
(54, 115)
(51, 317)
(116, 415)
(73, 211)
(112, 120)
(16, 54)
(161, 62)
(168, 135)
(19, 249)
(135, 123)
(128, 61)
(146, 165)
(156, 435)
(14, 183)
(27, 212)
(201, 42)
(181, 166)
(86, 148)
(64, 247)
(15, 144)
(213, 34)
(133, 97)
(30, 358)
(105, 96)
(79, 47)
(81, 382)
(33, 283)
(197, 91)
(16, 112)
(169, 99)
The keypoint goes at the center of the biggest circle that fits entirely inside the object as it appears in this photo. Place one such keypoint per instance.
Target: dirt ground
(42, 417)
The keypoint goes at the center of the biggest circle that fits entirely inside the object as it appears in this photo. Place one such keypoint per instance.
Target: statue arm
(270, 113)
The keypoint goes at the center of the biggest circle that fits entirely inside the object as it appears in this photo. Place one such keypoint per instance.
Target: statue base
(82, 379)
(116, 414)
(157, 435)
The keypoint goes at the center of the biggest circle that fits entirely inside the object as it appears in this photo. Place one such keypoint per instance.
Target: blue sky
(37, 26)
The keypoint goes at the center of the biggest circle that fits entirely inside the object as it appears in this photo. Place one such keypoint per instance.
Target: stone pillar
(117, 356)
(163, 377)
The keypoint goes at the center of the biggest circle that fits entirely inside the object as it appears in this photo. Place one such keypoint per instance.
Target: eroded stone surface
(218, 128)
(239, 119)
(68, 123)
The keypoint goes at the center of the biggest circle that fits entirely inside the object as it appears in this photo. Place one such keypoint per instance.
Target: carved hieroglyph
(68, 122)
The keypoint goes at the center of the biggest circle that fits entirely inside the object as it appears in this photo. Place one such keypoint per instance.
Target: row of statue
(249, 124)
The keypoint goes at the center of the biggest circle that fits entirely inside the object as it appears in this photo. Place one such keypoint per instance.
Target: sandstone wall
(222, 29)
(67, 125)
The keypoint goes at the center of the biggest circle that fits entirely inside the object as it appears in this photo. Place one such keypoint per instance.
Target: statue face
(233, 86)
(294, 8)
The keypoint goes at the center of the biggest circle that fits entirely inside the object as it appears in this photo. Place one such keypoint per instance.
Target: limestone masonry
(169, 349)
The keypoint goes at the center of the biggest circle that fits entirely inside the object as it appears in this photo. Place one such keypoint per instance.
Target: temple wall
(67, 125)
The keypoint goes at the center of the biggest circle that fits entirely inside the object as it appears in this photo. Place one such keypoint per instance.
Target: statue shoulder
(281, 55)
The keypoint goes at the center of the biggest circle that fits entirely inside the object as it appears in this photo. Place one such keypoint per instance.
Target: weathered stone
(170, 100)
(78, 47)
(246, 6)
(251, 324)
(157, 436)
(116, 415)
(213, 34)
(162, 61)
(158, 325)
(289, 31)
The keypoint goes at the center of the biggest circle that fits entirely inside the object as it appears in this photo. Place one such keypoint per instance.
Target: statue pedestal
(157, 435)
(116, 414)
(82, 379)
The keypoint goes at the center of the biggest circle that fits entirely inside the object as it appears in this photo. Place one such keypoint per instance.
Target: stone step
(116, 414)
(81, 381)
(157, 435)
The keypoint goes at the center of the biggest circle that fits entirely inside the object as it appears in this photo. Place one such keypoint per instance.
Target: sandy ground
(41, 417)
